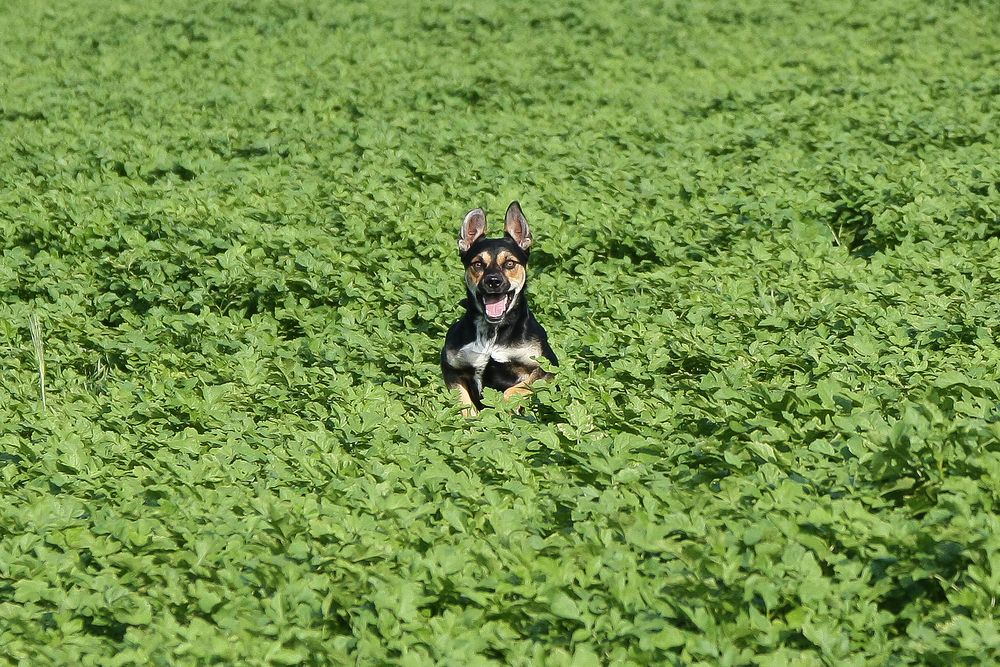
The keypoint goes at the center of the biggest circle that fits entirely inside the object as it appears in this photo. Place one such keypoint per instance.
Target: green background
(767, 241)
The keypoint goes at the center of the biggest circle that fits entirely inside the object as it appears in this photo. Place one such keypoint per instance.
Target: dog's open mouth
(497, 305)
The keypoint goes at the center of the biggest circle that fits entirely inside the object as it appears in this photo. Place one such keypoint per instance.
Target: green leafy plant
(766, 254)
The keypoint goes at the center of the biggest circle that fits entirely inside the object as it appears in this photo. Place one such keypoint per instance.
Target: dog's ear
(473, 227)
(516, 227)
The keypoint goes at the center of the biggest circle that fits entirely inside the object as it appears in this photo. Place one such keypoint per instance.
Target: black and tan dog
(497, 342)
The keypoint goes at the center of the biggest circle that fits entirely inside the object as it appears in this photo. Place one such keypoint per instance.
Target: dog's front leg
(465, 398)
(519, 389)
(522, 388)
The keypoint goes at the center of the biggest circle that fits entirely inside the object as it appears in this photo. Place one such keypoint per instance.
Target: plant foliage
(768, 251)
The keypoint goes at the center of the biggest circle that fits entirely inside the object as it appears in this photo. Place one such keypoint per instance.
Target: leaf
(564, 606)
(769, 273)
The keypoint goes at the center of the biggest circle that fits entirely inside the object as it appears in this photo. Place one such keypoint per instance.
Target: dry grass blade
(36, 339)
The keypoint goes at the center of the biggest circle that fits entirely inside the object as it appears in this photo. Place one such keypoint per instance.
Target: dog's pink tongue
(495, 304)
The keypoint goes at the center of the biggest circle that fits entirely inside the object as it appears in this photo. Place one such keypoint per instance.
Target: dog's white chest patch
(478, 353)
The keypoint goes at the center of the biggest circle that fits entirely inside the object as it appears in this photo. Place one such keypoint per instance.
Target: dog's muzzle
(493, 283)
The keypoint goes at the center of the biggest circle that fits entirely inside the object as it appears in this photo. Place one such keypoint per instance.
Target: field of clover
(767, 252)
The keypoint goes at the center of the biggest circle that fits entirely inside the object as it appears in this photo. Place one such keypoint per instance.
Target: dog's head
(495, 269)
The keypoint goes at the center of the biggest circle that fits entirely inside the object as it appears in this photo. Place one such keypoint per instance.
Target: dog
(497, 341)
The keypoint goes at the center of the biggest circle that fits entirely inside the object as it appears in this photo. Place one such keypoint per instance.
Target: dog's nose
(493, 281)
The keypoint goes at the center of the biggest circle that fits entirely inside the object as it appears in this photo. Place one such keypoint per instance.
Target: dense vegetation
(767, 254)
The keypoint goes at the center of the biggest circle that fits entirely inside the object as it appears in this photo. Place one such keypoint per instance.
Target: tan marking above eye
(507, 261)
(480, 262)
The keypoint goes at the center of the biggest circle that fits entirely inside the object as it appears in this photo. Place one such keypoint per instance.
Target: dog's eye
(478, 265)
(509, 264)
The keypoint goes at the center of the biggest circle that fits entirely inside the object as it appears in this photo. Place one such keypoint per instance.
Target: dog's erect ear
(516, 226)
(473, 227)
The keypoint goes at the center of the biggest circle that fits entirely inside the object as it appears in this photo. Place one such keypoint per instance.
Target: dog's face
(495, 269)
(495, 275)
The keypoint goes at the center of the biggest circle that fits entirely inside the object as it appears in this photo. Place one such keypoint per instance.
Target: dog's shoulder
(525, 341)
(461, 332)
(462, 344)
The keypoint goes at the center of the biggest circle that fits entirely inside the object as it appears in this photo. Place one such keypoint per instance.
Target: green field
(767, 252)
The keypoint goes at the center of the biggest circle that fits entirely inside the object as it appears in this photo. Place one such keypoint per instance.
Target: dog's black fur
(497, 342)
